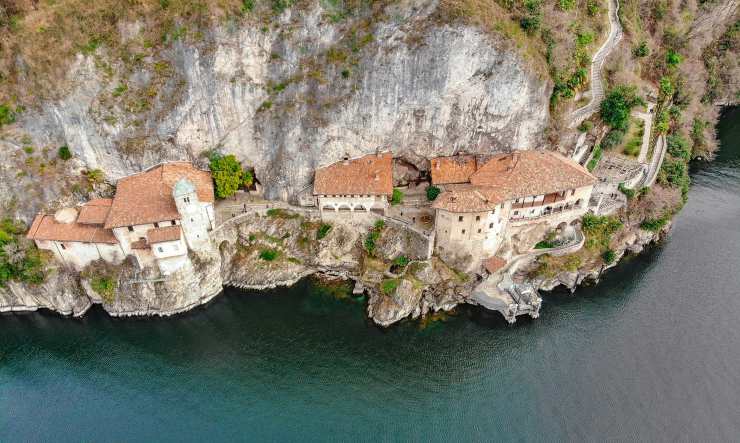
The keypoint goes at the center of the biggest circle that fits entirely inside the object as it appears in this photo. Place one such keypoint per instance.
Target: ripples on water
(650, 354)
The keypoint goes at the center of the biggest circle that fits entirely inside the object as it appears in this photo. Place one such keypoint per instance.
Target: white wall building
(361, 184)
(156, 216)
(506, 190)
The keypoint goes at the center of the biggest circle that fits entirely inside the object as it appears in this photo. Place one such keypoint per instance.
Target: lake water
(652, 354)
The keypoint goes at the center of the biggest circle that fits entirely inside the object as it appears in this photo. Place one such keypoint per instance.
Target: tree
(678, 146)
(616, 107)
(397, 197)
(673, 58)
(641, 50)
(227, 174)
(248, 179)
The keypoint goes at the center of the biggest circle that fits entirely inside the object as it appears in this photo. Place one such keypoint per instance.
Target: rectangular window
(478, 231)
(459, 218)
(173, 223)
(156, 225)
(62, 246)
(130, 229)
(490, 225)
(160, 249)
(573, 192)
(463, 231)
(477, 218)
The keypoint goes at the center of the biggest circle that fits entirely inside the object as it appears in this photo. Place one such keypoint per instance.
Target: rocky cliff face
(296, 95)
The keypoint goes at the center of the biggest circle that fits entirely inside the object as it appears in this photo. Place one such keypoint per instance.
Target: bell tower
(193, 215)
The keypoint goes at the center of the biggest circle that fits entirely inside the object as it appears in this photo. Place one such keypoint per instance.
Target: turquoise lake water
(651, 354)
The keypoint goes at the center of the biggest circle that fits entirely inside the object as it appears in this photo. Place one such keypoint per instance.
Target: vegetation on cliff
(19, 258)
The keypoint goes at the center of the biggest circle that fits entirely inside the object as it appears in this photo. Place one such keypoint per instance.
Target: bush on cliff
(599, 230)
(616, 107)
(269, 254)
(19, 258)
(433, 192)
(323, 231)
(227, 174)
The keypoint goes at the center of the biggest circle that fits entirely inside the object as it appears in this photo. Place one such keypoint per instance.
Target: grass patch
(595, 158)
(281, 213)
(655, 224)
(599, 230)
(373, 236)
(397, 197)
(389, 285)
(269, 254)
(105, 286)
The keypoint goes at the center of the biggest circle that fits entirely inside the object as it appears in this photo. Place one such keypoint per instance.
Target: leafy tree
(666, 87)
(609, 256)
(247, 179)
(613, 138)
(566, 5)
(663, 122)
(227, 174)
(433, 192)
(616, 107)
(323, 231)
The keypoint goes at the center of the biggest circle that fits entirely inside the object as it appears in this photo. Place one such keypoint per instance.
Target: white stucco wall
(171, 264)
(126, 237)
(78, 255)
(477, 234)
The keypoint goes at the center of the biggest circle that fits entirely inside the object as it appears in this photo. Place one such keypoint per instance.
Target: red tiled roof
(456, 169)
(525, 173)
(159, 235)
(468, 198)
(147, 197)
(45, 227)
(494, 263)
(371, 174)
(139, 244)
(95, 211)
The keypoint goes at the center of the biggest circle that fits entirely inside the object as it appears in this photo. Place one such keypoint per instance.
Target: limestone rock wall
(418, 87)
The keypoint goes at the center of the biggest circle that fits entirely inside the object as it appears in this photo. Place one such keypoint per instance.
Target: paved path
(597, 81)
(647, 117)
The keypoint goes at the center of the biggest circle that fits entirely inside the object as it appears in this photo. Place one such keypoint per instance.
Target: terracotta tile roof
(45, 227)
(147, 197)
(525, 173)
(468, 198)
(494, 263)
(456, 169)
(371, 174)
(139, 244)
(159, 235)
(95, 211)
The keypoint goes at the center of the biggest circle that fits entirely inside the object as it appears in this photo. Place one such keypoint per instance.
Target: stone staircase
(597, 82)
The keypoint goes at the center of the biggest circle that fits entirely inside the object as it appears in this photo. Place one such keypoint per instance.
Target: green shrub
(595, 158)
(379, 225)
(247, 5)
(629, 193)
(105, 286)
(678, 146)
(389, 286)
(401, 261)
(609, 256)
(269, 254)
(592, 7)
(345, 73)
(120, 90)
(545, 244)
(672, 58)
(64, 153)
(28, 150)
(586, 126)
(397, 197)
(530, 23)
(616, 107)
(566, 5)
(7, 115)
(654, 224)
(433, 192)
(613, 139)
(663, 122)
(227, 174)
(666, 87)
(373, 236)
(19, 258)
(641, 50)
(247, 179)
(323, 231)
(599, 230)
(95, 176)
(674, 173)
(584, 38)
